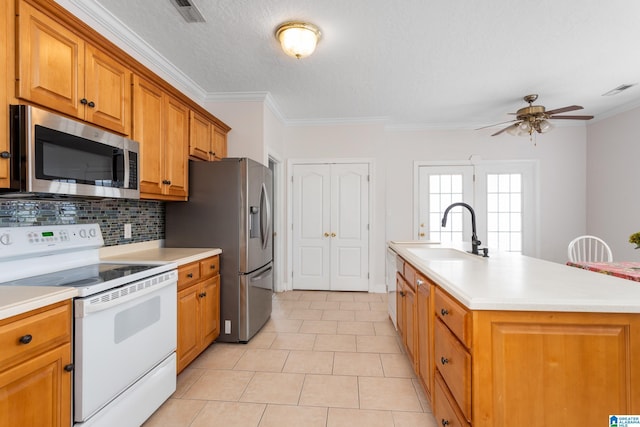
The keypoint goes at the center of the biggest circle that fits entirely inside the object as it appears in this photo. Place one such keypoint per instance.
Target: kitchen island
(514, 340)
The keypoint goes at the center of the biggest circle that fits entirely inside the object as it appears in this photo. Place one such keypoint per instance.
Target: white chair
(589, 249)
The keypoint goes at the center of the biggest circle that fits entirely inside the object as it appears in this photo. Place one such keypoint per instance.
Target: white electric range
(124, 319)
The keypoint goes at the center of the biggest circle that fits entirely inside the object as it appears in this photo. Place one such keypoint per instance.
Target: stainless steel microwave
(53, 155)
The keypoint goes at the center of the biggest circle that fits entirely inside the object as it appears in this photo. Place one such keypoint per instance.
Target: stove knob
(83, 233)
(5, 239)
(92, 232)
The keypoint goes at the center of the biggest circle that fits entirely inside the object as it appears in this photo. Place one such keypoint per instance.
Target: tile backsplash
(146, 217)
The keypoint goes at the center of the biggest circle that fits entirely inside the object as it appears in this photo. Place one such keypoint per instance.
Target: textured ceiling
(412, 63)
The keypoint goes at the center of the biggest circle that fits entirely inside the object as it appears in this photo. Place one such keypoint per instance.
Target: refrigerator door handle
(265, 216)
(264, 273)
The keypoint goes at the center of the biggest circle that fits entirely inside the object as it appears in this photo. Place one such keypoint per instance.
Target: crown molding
(103, 21)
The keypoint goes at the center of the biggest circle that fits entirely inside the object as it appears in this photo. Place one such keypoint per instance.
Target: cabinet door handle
(445, 422)
(5, 155)
(403, 293)
(26, 339)
(84, 101)
(91, 104)
(190, 275)
(444, 311)
(69, 367)
(419, 282)
(444, 360)
(202, 294)
(166, 181)
(213, 266)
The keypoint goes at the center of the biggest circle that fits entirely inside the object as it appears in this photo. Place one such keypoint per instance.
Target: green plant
(635, 239)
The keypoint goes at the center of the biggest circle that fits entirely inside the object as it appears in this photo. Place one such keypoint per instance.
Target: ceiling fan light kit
(535, 119)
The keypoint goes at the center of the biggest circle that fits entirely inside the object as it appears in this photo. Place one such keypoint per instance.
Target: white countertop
(180, 256)
(16, 300)
(508, 281)
(20, 299)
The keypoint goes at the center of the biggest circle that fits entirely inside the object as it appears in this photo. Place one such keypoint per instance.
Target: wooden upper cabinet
(108, 87)
(219, 143)
(176, 146)
(6, 79)
(147, 130)
(58, 70)
(199, 136)
(161, 126)
(207, 141)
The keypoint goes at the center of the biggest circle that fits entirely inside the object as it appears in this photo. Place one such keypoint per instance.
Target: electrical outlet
(227, 327)
(127, 231)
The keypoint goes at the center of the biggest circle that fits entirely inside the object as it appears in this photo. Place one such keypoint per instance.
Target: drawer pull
(213, 266)
(69, 367)
(445, 422)
(403, 293)
(444, 311)
(190, 275)
(444, 360)
(26, 339)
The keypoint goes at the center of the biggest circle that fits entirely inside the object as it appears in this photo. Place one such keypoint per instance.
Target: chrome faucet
(474, 237)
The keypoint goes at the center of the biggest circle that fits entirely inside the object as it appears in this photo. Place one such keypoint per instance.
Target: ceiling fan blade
(505, 129)
(565, 109)
(572, 117)
(496, 124)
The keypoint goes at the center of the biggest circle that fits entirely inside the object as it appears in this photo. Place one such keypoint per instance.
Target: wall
(146, 217)
(246, 119)
(561, 156)
(613, 206)
(363, 142)
(561, 179)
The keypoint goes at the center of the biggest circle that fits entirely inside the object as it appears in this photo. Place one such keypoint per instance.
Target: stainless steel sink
(442, 254)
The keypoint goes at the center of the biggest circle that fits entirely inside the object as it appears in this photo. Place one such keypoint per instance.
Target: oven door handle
(123, 294)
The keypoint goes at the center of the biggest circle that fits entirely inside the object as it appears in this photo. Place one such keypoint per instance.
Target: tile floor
(326, 359)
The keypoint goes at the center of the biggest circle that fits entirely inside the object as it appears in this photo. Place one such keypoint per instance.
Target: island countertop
(509, 281)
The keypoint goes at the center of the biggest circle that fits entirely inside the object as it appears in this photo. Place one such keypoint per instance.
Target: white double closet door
(330, 241)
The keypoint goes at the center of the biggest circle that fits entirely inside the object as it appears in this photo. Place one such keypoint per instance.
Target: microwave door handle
(125, 163)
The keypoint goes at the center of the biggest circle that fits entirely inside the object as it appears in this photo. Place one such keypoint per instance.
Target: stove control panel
(31, 240)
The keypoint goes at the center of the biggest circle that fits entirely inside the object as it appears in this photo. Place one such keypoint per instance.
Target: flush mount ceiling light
(298, 39)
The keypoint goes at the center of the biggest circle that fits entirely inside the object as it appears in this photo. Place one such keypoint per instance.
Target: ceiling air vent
(188, 10)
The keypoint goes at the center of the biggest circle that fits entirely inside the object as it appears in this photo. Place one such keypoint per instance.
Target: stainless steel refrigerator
(229, 207)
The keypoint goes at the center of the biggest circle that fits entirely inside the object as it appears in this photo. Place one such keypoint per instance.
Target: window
(501, 193)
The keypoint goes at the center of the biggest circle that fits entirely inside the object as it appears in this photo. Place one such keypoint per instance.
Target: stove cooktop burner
(82, 277)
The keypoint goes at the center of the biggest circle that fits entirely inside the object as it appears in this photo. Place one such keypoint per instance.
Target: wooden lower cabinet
(198, 308)
(35, 368)
(516, 368)
(551, 368)
(424, 333)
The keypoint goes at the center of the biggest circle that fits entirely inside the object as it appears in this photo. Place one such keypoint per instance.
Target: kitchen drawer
(39, 329)
(410, 275)
(454, 363)
(456, 317)
(445, 410)
(400, 262)
(188, 274)
(210, 267)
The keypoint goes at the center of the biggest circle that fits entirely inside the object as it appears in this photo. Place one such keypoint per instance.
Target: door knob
(333, 234)
(421, 234)
(326, 234)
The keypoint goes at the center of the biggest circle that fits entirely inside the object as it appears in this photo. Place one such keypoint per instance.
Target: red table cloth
(626, 269)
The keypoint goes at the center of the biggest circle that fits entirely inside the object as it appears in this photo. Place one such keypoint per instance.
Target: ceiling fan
(535, 118)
